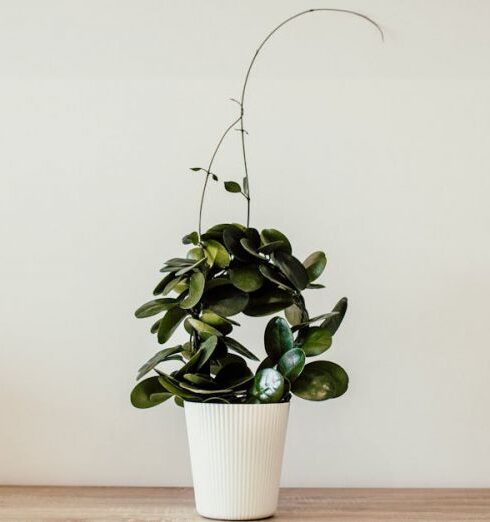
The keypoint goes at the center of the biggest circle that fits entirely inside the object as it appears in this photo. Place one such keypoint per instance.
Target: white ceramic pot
(236, 456)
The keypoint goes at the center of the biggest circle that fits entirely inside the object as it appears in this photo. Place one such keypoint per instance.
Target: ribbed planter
(236, 456)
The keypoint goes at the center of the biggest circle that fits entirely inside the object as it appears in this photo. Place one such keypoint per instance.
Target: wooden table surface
(176, 504)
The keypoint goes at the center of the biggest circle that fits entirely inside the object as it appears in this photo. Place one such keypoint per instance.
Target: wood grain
(176, 504)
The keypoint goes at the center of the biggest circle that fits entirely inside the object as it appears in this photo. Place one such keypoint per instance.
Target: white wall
(378, 154)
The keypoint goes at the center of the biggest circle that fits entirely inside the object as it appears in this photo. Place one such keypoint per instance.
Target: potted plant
(236, 417)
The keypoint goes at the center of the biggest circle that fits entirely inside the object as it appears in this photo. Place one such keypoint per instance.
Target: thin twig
(208, 172)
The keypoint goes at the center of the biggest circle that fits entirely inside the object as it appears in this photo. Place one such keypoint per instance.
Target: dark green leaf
(268, 386)
(197, 169)
(315, 264)
(169, 323)
(173, 386)
(270, 235)
(247, 278)
(179, 401)
(232, 186)
(273, 275)
(234, 345)
(314, 286)
(231, 238)
(278, 338)
(159, 357)
(321, 380)
(154, 307)
(234, 375)
(226, 300)
(155, 326)
(316, 340)
(144, 390)
(162, 284)
(230, 358)
(196, 289)
(332, 323)
(275, 246)
(291, 363)
(250, 248)
(201, 357)
(266, 363)
(266, 302)
(292, 269)
(192, 238)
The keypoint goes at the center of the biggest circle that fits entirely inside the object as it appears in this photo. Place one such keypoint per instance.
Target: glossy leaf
(314, 286)
(169, 322)
(247, 278)
(267, 302)
(217, 253)
(316, 340)
(315, 265)
(226, 300)
(278, 338)
(268, 386)
(232, 186)
(144, 390)
(292, 269)
(155, 307)
(291, 363)
(332, 323)
(237, 347)
(159, 357)
(196, 289)
(321, 380)
(179, 401)
(270, 235)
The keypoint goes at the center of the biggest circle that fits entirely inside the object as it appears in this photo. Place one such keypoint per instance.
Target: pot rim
(225, 405)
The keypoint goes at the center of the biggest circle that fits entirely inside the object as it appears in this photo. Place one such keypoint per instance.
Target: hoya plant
(229, 272)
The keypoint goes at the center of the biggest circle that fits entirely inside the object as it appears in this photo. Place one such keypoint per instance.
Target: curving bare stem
(244, 90)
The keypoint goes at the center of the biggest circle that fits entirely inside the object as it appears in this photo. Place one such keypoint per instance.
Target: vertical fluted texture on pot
(236, 456)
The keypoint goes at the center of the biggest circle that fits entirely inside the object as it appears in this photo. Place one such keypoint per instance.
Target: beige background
(378, 154)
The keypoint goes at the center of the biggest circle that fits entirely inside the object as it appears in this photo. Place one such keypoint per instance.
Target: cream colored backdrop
(378, 154)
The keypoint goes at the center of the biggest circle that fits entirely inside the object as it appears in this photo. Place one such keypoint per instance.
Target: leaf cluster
(231, 270)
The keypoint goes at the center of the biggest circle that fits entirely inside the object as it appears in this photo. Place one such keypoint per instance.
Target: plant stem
(208, 171)
(244, 89)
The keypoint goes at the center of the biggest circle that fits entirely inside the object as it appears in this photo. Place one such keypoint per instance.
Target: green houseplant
(228, 270)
